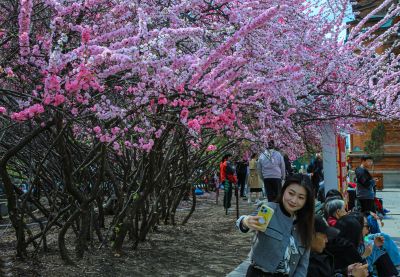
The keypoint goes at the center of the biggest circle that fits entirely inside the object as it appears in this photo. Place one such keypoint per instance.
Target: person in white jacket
(271, 166)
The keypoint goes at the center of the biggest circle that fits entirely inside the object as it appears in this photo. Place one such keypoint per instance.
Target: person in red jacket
(222, 169)
(227, 178)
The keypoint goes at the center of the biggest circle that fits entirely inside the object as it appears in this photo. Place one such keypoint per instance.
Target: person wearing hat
(321, 262)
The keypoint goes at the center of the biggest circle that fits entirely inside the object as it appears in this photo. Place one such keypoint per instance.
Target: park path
(391, 201)
(209, 245)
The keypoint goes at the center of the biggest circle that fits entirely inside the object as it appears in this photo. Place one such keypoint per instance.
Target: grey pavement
(391, 201)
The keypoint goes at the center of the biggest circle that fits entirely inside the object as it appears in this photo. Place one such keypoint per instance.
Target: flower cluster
(24, 21)
(28, 113)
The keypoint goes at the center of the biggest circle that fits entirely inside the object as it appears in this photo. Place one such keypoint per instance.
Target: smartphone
(266, 214)
(367, 241)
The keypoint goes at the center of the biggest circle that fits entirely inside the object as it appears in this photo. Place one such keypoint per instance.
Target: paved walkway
(391, 201)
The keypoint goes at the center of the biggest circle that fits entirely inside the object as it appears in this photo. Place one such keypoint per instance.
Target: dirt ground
(209, 245)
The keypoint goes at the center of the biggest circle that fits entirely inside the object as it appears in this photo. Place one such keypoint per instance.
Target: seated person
(389, 246)
(372, 250)
(320, 262)
(330, 195)
(345, 246)
(334, 210)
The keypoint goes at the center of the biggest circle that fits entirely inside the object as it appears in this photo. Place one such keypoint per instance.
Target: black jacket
(317, 168)
(344, 252)
(241, 168)
(322, 265)
(365, 184)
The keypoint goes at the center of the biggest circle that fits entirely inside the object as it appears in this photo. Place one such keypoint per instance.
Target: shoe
(386, 211)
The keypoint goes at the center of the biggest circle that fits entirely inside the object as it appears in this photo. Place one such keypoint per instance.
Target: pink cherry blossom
(211, 147)
(116, 146)
(162, 100)
(74, 111)
(97, 129)
(184, 114)
(194, 124)
(9, 72)
(85, 35)
(58, 100)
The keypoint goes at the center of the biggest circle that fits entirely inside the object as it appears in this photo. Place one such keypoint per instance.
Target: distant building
(387, 169)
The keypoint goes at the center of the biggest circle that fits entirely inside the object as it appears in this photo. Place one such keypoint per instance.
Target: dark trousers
(367, 205)
(385, 266)
(315, 185)
(352, 199)
(255, 272)
(273, 188)
(227, 194)
(241, 183)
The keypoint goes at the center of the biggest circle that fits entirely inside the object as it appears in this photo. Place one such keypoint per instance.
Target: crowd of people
(310, 235)
(263, 175)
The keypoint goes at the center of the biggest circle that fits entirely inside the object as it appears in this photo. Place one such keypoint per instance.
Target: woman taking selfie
(283, 248)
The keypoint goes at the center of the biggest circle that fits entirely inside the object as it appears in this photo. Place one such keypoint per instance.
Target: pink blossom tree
(127, 99)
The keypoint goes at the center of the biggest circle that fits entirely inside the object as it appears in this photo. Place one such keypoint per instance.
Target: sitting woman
(334, 210)
(379, 250)
(345, 246)
(349, 247)
(283, 248)
(332, 194)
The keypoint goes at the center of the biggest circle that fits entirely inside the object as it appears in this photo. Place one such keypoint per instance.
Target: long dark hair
(305, 216)
(225, 157)
(350, 229)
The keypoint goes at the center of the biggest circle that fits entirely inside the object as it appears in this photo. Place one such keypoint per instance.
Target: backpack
(230, 168)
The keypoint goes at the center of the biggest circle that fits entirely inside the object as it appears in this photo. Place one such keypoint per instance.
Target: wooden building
(387, 169)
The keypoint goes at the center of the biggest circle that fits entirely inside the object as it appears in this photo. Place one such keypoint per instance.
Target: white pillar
(328, 141)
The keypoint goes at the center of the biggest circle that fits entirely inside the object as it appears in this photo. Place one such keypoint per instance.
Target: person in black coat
(288, 165)
(344, 247)
(241, 173)
(316, 168)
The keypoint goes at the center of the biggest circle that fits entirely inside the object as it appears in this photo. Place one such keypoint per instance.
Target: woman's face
(294, 198)
(341, 212)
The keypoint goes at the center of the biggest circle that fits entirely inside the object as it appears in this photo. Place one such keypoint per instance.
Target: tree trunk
(61, 238)
(192, 209)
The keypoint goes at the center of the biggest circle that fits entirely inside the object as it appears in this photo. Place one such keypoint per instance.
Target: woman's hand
(378, 241)
(358, 270)
(367, 251)
(251, 222)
